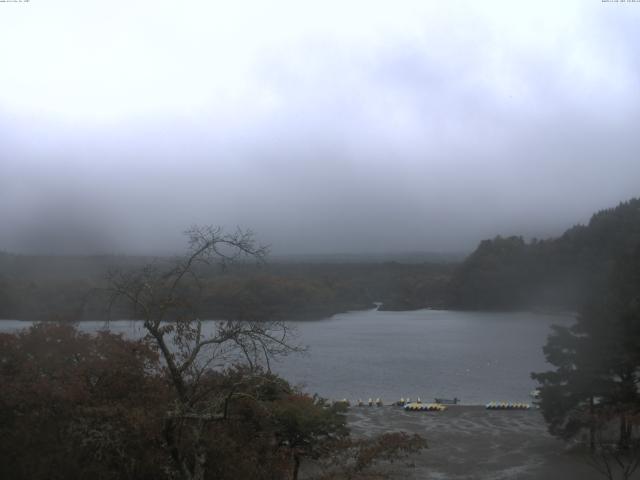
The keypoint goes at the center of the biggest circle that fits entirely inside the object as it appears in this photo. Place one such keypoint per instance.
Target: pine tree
(597, 361)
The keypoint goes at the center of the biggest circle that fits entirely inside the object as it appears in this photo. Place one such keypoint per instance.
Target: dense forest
(72, 288)
(557, 273)
(501, 274)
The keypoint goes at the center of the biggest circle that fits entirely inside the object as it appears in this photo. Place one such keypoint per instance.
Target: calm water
(474, 356)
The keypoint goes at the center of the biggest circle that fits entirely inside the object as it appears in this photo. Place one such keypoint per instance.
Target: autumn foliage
(75, 405)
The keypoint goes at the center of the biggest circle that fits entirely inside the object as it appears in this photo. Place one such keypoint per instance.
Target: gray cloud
(418, 128)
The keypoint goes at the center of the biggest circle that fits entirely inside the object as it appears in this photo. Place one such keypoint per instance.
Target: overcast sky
(328, 126)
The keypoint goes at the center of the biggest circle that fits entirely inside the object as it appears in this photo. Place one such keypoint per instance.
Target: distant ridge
(400, 257)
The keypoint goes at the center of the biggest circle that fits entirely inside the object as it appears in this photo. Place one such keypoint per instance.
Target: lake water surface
(477, 357)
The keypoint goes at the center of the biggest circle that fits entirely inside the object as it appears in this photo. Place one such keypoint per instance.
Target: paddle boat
(424, 407)
(507, 406)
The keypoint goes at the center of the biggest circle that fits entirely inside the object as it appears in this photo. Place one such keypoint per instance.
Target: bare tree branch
(166, 303)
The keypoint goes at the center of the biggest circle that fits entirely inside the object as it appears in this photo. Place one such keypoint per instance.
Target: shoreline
(319, 317)
(471, 442)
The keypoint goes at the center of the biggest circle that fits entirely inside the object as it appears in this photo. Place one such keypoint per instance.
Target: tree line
(558, 273)
(72, 288)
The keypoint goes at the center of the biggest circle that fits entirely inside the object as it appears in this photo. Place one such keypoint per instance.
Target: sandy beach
(470, 442)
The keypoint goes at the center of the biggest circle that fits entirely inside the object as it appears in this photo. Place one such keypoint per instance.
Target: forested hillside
(72, 288)
(557, 273)
(502, 273)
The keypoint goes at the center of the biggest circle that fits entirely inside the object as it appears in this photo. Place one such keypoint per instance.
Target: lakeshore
(472, 443)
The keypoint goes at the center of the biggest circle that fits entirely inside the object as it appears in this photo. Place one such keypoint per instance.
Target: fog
(324, 127)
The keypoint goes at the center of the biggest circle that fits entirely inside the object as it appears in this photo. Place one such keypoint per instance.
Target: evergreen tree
(597, 361)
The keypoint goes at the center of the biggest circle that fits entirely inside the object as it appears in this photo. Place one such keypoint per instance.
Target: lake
(475, 356)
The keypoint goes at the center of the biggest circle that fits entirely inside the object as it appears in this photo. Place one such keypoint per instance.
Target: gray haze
(323, 126)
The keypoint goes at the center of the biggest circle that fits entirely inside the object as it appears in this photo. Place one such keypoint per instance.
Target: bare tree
(166, 300)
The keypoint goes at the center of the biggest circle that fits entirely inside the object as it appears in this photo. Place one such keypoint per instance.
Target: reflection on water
(474, 356)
